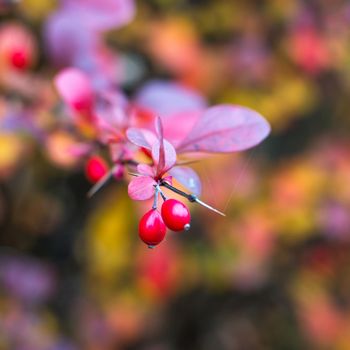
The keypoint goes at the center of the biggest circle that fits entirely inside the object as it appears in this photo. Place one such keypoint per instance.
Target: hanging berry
(152, 228)
(176, 215)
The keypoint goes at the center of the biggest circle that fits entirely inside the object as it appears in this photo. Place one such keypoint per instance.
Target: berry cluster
(174, 215)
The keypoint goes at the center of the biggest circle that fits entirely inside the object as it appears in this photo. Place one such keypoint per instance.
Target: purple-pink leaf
(70, 40)
(177, 126)
(141, 188)
(169, 156)
(101, 15)
(75, 89)
(141, 137)
(188, 178)
(166, 98)
(159, 128)
(145, 170)
(161, 155)
(224, 129)
(66, 37)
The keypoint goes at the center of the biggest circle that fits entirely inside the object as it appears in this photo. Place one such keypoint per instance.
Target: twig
(190, 197)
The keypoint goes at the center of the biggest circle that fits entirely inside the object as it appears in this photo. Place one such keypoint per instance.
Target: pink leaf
(224, 129)
(168, 179)
(101, 15)
(75, 89)
(188, 178)
(165, 98)
(169, 156)
(108, 133)
(141, 137)
(177, 126)
(66, 37)
(159, 128)
(161, 156)
(141, 188)
(145, 170)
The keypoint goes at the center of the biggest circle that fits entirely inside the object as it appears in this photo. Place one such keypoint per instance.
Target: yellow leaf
(109, 235)
(10, 151)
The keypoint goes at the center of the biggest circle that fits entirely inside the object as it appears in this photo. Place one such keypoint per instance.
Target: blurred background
(273, 274)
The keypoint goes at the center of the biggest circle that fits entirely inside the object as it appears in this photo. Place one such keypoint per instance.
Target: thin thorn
(134, 174)
(98, 185)
(190, 197)
(208, 207)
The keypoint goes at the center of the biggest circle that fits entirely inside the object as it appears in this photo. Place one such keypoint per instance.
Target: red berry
(95, 169)
(152, 228)
(19, 60)
(17, 46)
(176, 215)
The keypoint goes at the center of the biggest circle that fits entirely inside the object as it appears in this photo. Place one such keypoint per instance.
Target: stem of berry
(155, 200)
(162, 195)
(190, 197)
